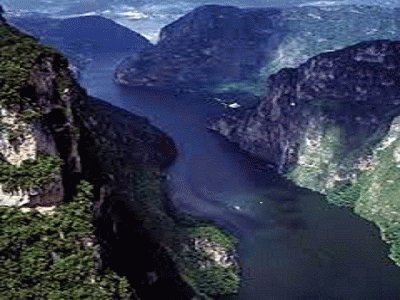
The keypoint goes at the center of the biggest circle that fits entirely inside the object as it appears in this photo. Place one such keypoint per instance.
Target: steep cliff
(330, 126)
(38, 124)
(48, 246)
(145, 238)
(83, 198)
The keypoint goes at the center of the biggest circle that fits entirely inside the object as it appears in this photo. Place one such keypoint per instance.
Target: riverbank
(173, 251)
(284, 248)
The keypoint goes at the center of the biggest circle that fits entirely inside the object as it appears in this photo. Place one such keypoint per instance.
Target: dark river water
(293, 244)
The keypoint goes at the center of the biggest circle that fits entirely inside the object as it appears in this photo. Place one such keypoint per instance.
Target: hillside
(331, 125)
(84, 212)
(82, 39)
(223, 49)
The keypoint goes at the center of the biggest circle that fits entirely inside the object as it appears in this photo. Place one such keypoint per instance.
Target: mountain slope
(220, 49)
(84, 212)
(48, 246)
(193, 49)
(82, 38)
(331, 125)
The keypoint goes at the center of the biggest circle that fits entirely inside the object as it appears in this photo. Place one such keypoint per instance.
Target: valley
(232, 159)
(307, 247)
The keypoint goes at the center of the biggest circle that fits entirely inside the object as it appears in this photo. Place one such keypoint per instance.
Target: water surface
(293, 244)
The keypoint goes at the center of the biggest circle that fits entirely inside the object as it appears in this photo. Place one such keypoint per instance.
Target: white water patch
(251, 203)
(234, 105)
(314, 16)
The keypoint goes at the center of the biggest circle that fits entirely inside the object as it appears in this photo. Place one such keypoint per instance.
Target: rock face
(39, 129)
(347, 95)
(57, 145)
(207, 46)
(332, 125)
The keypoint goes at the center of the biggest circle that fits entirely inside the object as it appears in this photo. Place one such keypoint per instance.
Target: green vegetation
(379, 200)
(304, 37)
(317, 157)
(32, 173)
(52, 256)
(18, 54)
(345, 194)
(375, 193)
(208, 277)
(213, 234)
(44, 254)
(178, 233)
(214, 280)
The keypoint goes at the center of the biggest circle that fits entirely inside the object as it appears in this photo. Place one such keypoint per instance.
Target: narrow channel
(293, 244)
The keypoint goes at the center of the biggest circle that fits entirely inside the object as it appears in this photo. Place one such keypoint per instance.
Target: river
(293, 244)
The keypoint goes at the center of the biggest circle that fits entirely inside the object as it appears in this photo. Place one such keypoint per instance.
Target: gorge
(83, 208)
(292, 242)
(331, 125)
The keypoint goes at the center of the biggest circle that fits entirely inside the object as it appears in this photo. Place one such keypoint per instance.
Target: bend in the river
(293, 244)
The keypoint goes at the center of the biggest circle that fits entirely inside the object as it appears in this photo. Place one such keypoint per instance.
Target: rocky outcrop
(210, 45)
(339, 98)
(38, 123)
(61, 150)
(216, 253)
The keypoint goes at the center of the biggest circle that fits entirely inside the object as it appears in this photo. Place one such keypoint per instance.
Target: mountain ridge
(81, 39)
(228, 54)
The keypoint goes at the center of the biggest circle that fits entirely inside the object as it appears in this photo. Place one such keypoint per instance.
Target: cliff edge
(331, 125)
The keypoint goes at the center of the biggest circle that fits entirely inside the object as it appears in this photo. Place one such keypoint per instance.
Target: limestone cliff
(326, 123)
(49, 248)
(83, 206)
(334, 103)
(38, 125)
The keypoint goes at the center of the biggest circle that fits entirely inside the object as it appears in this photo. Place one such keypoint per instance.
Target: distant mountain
(81, 6)
(82, 38)
(209, 45)
(221, 48)
(148, 17)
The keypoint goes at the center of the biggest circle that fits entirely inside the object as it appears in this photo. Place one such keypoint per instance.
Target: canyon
(331, 125)
(328, 123)
(85, 180)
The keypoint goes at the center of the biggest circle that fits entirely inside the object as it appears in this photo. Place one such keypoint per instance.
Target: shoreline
(140, 202)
